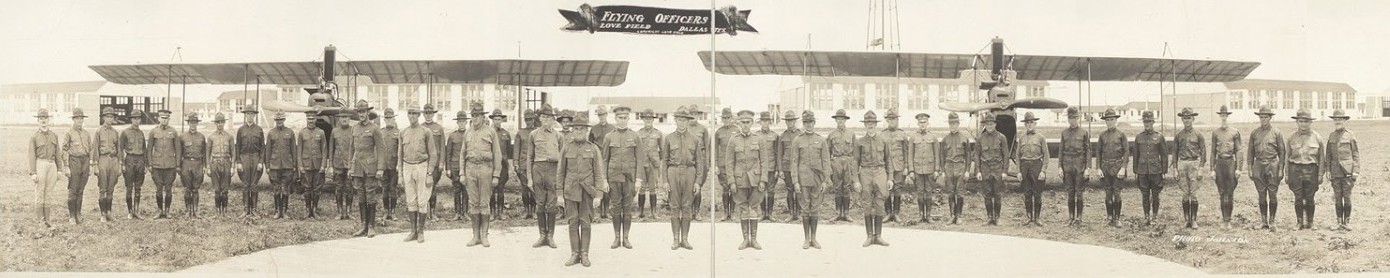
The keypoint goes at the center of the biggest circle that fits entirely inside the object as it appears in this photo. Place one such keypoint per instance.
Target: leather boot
(414, 231)
(420, 227)
(806, 232)
(868, 231)
(1310, 209)
(627, 228)
(685, 234)
(574, 246)
(475, 225)
(1028, 209)
(794, 206)
(753, 235)
(362, 213)
(584, 239)
(675, 233)
(743, 230)
(641, 206)
(1194, 214)
(550, 230)
(1346, 216)
(540, 227)
(617, 232)
(371, 216)
(878, 231)
(460, 207)
(484, 225)
(989, 211)
(815, 221)
(1037, 209)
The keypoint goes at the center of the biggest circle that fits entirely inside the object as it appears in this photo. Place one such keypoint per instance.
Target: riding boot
(1194, 214)
(1273, 211)
(550, 230)
(794, 207)
(685, 234)
(1028, 209)
(1037, 209)
(868, 231)
(575, 248)
(585, 237)
(371, 216)
(878, 231)
(414, 231)
(362, 213)
(989, 211)
(743, 227)
(675, 233)
(753, 235)
(641, 206)
(1346, 216)
(627, 229)
(806, 232)
(1310, 209)
(540, 228)
(815, 221)
(617, 233)
(1298, 212)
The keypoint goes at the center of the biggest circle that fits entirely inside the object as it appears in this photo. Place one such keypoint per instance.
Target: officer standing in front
(390, 151)
(621, 152)
(1226, 163)
(1267, 158)
(1151, 164)
(280, 162)
(540, 156)
(871, 178)
(956, 164)
(1190, 154)
(108, 165)
(482, 158)
(164, 162)
(1075, 159)
(992, 160)
(504, 139)
(924, 166)
(581, 176)
(810, 174)
(1031, 155)
(311, 149)
(682, 156)
(250, 140)
(135, 162)
(1343, 166)
(77, 151)
(1307, 162)
(1112, 155)
(193, 147)
(841, 141)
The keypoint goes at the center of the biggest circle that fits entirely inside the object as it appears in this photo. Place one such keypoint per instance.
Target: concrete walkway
(916, 253)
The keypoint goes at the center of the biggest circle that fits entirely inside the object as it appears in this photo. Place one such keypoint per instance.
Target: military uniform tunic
(312, 150)
(108, 160)
(1343, 159)
(193, 147)
(649, 158)
(250, 140)
(1191, 154)
(621, 151)
(164, 159)
(542, 158)
(1112, 154)
(280, 160)
(366, 160)
(581, 179)
(744, 164)
(1150, 159)
(390, 151)
(812, 167)
(956, 158)
(841, 144)
(685, 169)
(993, 161)
(1225, 158)
(1032, 155)
(220, 164)
(1306, 165)
(1267, 156)
(871, 155)
(482, 162)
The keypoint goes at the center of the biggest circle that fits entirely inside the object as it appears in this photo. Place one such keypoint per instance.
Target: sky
(53, 41)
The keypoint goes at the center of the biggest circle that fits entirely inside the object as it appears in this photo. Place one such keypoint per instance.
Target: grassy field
(168, 245)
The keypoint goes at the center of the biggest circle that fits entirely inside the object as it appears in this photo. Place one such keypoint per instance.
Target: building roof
(1296, 85)
(1140, 105)
(657, 104)
(54, 87)
(242, 94)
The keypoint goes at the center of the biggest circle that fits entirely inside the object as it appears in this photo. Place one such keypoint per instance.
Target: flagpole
(709, 190)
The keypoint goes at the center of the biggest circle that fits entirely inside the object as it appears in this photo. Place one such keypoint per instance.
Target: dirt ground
(168, 245)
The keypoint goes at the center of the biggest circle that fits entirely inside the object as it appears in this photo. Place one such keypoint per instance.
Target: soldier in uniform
(1226, 163)
(528, 203)
(108, 165)
(390, 151)
(898, 148)
(956, 163)
(134, 161)
(681, 153)
(841, 142)
(482, 158)
(1343, 166)
(77, 151)
(43, 158)
(366, 168)
(721, 141)
(504, 137)
(1151, 164)
(924, 166)
(702, 132)
(649, 159)
(417, 157)
(1190, 154)
(250, 140)
(1307, 162)
(438, 132)
(193, 147)
(782, 154)
(810, 174)
(1031, 155)
(311, 150)
(339, 159)
(596, 135)
(219, 163)
(992, 160)
(453, 147)
(164, 162)
(1112, 154)
(769, 138)
(621, 153)
(745, 160)
(540, 156)
(871, 177)
(280, 162)
(1075, 159)
(581, 175)
(563, 118)
(1267, 156)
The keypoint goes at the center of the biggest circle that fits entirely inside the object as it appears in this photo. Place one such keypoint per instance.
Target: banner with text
(660, 21)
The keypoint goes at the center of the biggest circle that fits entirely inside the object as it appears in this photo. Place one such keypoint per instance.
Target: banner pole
(713, 62)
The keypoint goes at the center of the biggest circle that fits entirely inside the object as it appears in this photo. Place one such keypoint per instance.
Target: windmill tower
(882, 29)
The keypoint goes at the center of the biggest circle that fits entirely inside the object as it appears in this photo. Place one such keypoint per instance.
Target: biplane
(1000, 96)
(327, 98)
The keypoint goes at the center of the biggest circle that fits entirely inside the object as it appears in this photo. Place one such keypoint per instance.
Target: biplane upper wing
(537, 73)
(935, 65)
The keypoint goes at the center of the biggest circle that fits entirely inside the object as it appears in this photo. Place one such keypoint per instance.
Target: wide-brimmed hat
(221, 118)
(246, 109)
(1187, 113)
(496, 113)
(546, 109)
(528, 114)
(565, 114)
(790, 116)
(362, 104)
(1109, 114)
(1303, 114)
(808, 116)
(1073, 112)
(1339, 115)
(892, 114)
(461, 115)
(869, 117)
(1223, 110)
(193, 118)
(1265, 111)
(682, 112)
(953, 117)
(1028, 117)
(581, 118)
(840, 114)
(77, 113)
(1148, 116)
(43, 113)
(279, 116)
(107, 111)
(475, 109)
(987, 117)
(726, 113)
(389, 113)
(647, 113)
(428, 108)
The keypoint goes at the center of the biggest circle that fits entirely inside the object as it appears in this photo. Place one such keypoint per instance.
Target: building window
(1236, 100)
(1337, 100)
(854, 96)
(505, 96)
(1351, 100)
(1322, 100)
(822, 96)
(1254, 99)
(376, 95)
(1288, 99)
(1305, 100)
(408, 96)
(1037, 91)
(885, 96)
(917, 97)
(1271, 99)
(949, 93)
(471, 93)
(442, 96)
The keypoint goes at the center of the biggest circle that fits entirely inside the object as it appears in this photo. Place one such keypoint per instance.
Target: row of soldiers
(564, 166)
